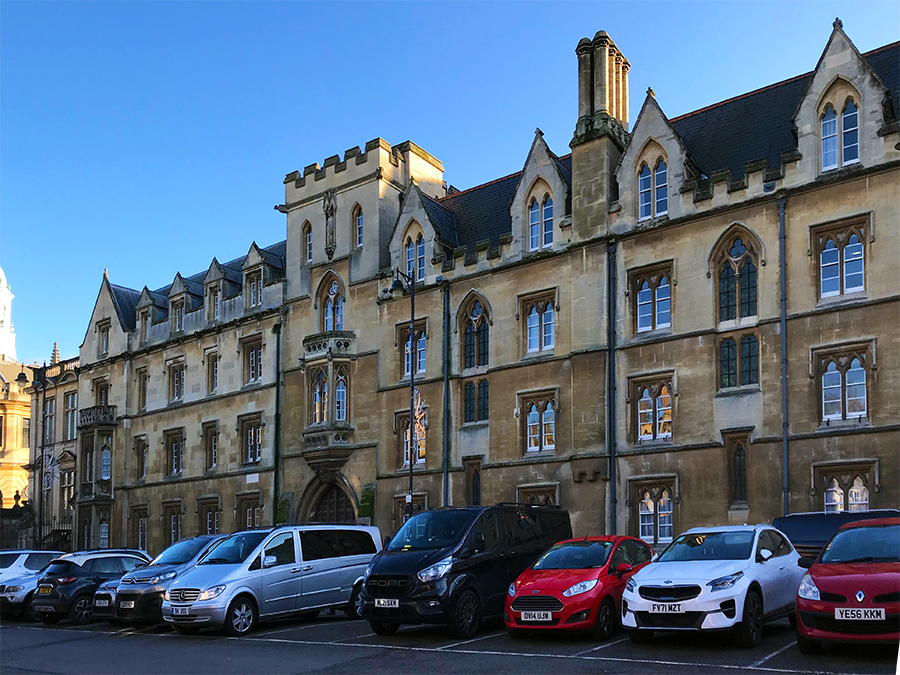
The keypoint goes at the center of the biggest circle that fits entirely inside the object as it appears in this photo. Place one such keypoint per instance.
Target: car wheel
(640, 637)
(355, 606)
(241, 617)
(384, 628)
(80, 610)
(27, 613)
(606, 621)
(807, 646)
(466, 617)
(186, 630)
(749, 630)
(50, 619)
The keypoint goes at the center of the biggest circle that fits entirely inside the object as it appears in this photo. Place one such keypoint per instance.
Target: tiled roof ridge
(771, 86)
(477, 187)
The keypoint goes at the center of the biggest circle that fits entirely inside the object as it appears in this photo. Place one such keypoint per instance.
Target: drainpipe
(446, 413)
(276, 443)
(785, 486)
(611, 381)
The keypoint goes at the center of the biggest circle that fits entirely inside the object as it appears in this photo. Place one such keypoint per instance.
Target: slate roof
(758, 125)
(442, 219)
(125, 300)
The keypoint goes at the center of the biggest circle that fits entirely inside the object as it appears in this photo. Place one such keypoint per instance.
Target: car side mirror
(622, 568)
(805, 562)
(478, 542)
(764, 554)
(270, 561)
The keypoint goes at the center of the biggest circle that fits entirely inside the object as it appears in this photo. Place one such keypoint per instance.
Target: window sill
(251, 384)
(736, 324)
(654, 443)
(842, 299)
(849, 423)
(546, 353)
(540, 453)
(745, 390)
(254, 463)
(650, 335)
(174, 476)
(478, 424)
(404, 471)
(739, 507)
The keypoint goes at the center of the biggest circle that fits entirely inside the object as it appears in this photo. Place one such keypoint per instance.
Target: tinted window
(638, 551)
(782, 547)
(575, 555)
(489, 526)
(709, 546)
(7, 559)
(61, 568)
(180, 553)
(282, 547)
(555, 525)
(522, 528)
(36, 561)
(355, 542)
(431, 530)
(620, 556)
(880, 543)
(319, 544)
(129, 564)
(105, 566)
(233, 550)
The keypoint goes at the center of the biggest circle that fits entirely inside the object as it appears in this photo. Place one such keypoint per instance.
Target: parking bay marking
(603, 646)
(756, 664)
(465, 642)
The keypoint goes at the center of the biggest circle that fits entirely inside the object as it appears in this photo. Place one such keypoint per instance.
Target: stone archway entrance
(334, 506)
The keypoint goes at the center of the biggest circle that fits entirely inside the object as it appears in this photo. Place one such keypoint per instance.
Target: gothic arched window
(737, 283)
(475, 336)
(333, 309)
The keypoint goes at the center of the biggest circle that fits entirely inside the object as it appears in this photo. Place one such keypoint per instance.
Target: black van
(453, 565)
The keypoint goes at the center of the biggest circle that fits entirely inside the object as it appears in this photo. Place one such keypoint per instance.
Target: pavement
(336, 644)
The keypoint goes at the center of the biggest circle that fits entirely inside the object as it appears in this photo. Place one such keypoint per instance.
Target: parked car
(24, 562)
(104, 608)
(576, 585)
(809, 532)
(715, 578)
(66, 588)
(16, 595)
(453, 565)
(140, 593)
(852, 592)
(263, 574)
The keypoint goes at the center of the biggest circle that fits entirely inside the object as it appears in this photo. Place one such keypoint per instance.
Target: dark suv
(67, 586)
(453, 565)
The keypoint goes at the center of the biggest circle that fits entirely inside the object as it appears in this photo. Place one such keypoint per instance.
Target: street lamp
(397, 288)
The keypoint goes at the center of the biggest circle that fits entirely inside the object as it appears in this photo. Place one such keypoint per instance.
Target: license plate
(859, 614)
(127, 604)
(44, 590)
(387, 602)
(180, 611)
(101, 603)
(537, 616)
(666, 608)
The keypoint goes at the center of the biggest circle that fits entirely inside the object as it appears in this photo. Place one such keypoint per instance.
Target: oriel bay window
(653, 409)
(319, 398)
(738, 361)
(737, 282)
(333, 309)
(329, 398)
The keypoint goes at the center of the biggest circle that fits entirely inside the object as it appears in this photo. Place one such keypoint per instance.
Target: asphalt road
(335, 644)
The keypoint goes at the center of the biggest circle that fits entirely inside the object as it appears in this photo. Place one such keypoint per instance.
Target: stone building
(681, 323)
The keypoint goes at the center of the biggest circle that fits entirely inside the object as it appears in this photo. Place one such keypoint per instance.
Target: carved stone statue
(329, 205)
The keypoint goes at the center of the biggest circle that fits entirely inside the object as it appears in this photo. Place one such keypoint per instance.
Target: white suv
(715, 578)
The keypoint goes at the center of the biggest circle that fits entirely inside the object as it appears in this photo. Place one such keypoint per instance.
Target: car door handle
(306, 568)
(781, 568)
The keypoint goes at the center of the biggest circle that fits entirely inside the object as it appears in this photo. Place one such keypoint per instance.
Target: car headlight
(211, 593)
(436, 571)
(808, 589)
(369, 569)
(166, 595)
(725, 582)
(512, 590)
(630, 585)
(580, 588)
(163, 577)
(13, 589)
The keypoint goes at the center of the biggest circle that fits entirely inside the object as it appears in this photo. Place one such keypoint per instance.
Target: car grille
(808, 551)
(536, 603)
(824, 596)
(886, 598)
(685, 620)
(669, 593)
(184, 594)
(388, 586)
(891, 624)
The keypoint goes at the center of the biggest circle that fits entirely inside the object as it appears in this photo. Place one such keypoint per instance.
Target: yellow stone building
(682, 322)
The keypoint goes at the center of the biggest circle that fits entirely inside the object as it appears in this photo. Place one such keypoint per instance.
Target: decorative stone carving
(329, 205)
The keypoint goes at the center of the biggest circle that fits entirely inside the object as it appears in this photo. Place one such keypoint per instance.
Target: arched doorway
(334, 506)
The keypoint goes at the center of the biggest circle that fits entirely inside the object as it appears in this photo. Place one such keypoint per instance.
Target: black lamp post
(397, 292)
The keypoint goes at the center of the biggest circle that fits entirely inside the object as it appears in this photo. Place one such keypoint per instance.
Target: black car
(67, 586)
(453, 565)
(809, 532)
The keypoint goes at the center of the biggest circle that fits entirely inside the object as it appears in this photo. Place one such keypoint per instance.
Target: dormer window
(213, 308)
(540, 224)
(653, 191)
(415, 258)
(254, 289)
(835, 154)
(145, 325)
(103, 339)
(177, 316)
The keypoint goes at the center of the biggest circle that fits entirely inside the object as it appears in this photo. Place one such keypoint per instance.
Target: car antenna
(596, 520)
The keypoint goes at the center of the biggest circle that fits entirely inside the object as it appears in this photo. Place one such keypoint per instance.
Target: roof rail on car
(527, 505)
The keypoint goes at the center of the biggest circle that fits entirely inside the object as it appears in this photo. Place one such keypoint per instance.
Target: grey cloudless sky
(147, 138)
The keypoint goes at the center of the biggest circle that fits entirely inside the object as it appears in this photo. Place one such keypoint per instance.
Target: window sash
(748, 289)
(534, 228)
(831, 393)
(309, 247)
(340, 401)
(645, 196)
(420, 259)
(664, 414)
(645, 308)
(850, 134)
(469, 402)
(533, 441)
(548, 222)
(661, 188)
(253, 442)
(359, 229)
(410, 258)
(548, 423)
(533, 330)
(829, 271)
(728, 366)
(856, 390)
(663, 304)
(829, 140)
(421, 347)
(175, 450)
(645, 416)
(853, 266)
(665, 528)
(105, 464)
(483, 400)
(727, 293)
(547, 323)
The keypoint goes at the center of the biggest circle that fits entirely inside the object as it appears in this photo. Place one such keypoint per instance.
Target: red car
(852, 591)
(575, 586)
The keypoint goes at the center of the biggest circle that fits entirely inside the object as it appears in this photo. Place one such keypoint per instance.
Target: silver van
(263, 574)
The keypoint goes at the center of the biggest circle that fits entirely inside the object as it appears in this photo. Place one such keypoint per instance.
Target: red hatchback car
(576, 586)
(852, 591)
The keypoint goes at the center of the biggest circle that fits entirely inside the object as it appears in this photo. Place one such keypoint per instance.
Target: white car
(24, 562)
(715, 578)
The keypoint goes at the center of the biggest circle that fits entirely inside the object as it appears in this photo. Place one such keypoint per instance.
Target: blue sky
(147, 138)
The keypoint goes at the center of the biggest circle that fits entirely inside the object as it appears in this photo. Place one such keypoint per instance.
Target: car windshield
(880, 543)
(7, 559)
(697, 546)
(431, 530)
(180, 553)
(575, 555)
(236, 549)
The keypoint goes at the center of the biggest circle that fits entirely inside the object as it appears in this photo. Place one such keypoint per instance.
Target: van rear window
(355, 542)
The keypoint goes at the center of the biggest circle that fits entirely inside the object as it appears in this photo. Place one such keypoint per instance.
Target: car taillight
(65, 580)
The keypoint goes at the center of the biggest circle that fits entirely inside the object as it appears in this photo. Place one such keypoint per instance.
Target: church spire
(54, 359)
